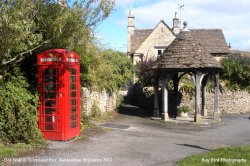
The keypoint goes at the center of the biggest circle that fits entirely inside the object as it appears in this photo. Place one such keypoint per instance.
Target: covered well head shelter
(186, 55)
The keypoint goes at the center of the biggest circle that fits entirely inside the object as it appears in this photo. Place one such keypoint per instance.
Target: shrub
(184, 109)
(86, 121)
(18, 111)
(95, 110)
(145, 73)
(236, 72)
(109, 70)
(187, 85)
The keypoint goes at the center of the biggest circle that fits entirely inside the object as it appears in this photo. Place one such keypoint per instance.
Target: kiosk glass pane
(50, 98)
(73, 100)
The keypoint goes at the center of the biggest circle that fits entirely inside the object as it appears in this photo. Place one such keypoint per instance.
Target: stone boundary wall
(104, 101)
(229, 102)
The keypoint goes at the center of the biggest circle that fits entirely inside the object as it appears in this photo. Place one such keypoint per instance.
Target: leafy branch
(21, 56)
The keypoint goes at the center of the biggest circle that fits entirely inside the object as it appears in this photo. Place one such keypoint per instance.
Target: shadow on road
(134, 111)
(193, 146)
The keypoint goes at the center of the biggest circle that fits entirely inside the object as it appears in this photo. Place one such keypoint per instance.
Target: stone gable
(161, 36)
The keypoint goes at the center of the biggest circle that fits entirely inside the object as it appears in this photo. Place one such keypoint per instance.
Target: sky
(232, 16)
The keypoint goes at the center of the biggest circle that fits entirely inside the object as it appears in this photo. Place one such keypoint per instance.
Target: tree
(17, 31)
(122, 66)
(36, 25)
(28, 27)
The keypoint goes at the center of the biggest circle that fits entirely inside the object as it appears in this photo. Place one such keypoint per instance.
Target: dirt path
(132, 140)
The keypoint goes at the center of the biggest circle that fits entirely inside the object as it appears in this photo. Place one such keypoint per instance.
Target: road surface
(133, 141)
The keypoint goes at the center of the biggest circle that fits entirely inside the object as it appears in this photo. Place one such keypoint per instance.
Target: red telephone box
(59, 90)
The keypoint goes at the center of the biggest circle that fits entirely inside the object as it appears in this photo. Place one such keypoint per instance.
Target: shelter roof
(186, 53)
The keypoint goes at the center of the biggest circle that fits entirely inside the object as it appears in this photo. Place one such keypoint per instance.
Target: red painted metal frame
(59, 94)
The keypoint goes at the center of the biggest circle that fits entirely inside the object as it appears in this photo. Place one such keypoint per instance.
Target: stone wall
(104, 101)
(230, 102)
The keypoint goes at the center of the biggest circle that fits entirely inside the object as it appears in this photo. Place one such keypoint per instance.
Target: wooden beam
(156, 98)
(176, 86)
(216, 99)
(204, 103)
(198, 79)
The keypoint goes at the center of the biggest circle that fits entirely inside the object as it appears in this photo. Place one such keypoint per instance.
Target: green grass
(13, 150)
(239, 155)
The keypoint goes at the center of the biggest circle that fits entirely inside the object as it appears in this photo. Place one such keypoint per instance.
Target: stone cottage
(145, 44)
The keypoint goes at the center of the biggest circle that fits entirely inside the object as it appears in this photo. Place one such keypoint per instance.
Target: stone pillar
(156, 105)
(216, 100)
(198, 78)
(165, 99)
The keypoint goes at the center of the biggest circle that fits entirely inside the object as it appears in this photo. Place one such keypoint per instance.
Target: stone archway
(200, 80)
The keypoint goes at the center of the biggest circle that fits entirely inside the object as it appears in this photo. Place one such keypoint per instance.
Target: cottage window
(159, 50)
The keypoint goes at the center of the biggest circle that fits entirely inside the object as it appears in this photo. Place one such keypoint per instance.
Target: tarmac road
(134, 141)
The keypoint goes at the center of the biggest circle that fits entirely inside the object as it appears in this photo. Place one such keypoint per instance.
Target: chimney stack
(131, 24)
(131, 28)
(176, 24)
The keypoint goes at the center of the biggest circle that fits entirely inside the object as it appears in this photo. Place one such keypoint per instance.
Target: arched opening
(171, 83)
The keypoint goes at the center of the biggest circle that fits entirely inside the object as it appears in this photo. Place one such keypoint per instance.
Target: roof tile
(185, 53)
(140, 35)
(212, 39)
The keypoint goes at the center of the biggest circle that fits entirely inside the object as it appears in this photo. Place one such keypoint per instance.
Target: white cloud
(129, 3)
(124, 2)
(239, 38)
(229, 15)
(122, 23)
(150, 15)
(243, 45)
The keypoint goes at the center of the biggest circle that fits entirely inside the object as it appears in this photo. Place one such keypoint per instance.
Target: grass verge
(87, 125)
(13, 150)
(238, 155)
